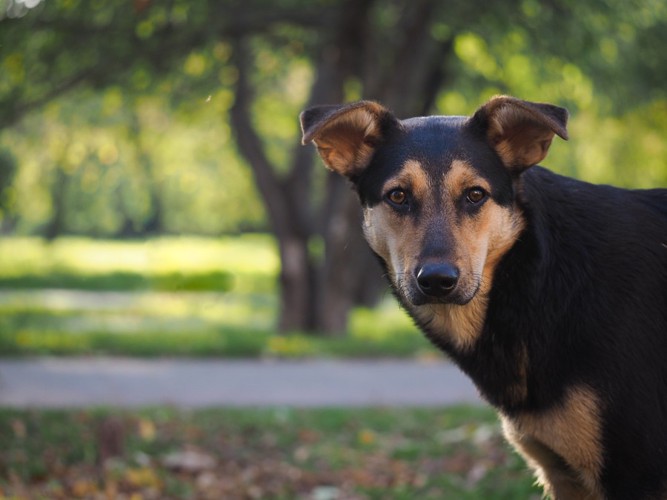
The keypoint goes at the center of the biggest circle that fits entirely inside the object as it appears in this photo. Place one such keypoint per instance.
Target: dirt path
(123, 382)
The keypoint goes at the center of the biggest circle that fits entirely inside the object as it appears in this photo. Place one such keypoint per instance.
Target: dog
(550, 293)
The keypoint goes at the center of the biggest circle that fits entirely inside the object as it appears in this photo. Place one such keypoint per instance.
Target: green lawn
(455, 453)
(168, 296)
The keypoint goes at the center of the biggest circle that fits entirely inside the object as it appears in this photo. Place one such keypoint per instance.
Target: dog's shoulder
(595, 215)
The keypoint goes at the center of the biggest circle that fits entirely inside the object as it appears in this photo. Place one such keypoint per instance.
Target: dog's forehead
(433, 143)
(425, 127)
(430, 138)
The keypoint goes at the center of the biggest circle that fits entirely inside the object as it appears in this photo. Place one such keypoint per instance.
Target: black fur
(588, 280)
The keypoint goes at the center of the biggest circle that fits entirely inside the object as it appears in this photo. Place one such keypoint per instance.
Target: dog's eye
(397, 196)
(475, 195)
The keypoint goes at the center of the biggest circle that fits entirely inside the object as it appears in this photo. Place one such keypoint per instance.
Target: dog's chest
(569, 432)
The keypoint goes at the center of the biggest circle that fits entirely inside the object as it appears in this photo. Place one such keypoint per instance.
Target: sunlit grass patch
(244, 263)
(291, 346)
(250, 253)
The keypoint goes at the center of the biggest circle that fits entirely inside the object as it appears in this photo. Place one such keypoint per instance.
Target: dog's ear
(520, 131)
(346, 135)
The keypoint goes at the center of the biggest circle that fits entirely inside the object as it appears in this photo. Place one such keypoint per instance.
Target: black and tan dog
(550, 293)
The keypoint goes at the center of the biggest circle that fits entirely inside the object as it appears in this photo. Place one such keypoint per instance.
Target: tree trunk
(296, 277)
(56, 224)
(350, 271)
(154, 222)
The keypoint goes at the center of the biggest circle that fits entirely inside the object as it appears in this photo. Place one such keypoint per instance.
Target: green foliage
(132, 137)
(611, 141)
(116, 176)
(283, 453)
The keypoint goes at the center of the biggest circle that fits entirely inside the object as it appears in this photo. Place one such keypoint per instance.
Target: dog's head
(437, 192)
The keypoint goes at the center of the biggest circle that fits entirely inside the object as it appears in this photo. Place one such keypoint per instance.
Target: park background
(155, 201)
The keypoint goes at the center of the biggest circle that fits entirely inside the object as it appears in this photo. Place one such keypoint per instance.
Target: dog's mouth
(419, 299)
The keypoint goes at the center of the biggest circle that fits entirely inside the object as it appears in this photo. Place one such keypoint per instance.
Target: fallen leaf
(19, 428)
(366, 436)
(189, 461)
(206, 481)
(308, 436)
(146, 429)
(111, 488)
(142, 477)
(301, 454)
(84, 488)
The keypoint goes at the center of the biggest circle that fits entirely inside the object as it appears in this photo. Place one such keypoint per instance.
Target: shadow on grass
(214, 281)
(229, 343)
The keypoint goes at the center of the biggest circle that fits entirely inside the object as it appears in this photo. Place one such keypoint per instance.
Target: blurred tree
(8, 168)
(58, 190)
(260, 61)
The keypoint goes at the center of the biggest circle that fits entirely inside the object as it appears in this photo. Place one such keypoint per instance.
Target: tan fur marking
(505, 151)
(462, 176)
(571, 431)
(519, 139)
(344, 143)
(411, 177)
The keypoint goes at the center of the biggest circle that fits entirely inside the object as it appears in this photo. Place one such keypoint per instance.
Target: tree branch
(250, 145)
(14, 109)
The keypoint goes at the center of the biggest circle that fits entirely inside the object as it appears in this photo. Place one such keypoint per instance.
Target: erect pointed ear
(346, 135)
(520, 131)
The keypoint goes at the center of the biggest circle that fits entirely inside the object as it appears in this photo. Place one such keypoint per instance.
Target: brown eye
(475, 195)
(397, 196)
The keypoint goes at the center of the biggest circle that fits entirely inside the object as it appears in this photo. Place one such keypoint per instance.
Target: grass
(277, 453)
(168, 297)
(81, 263)
(122, 281)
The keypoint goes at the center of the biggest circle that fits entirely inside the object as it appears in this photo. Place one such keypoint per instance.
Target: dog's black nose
(437, 280)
